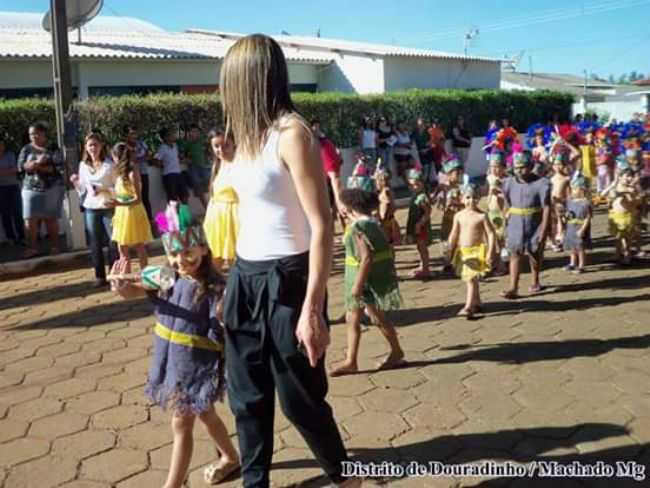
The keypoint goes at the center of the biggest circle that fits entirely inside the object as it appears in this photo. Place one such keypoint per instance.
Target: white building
(118, 55)
(612, 100)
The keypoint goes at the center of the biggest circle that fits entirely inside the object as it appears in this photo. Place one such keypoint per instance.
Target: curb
(29, 265)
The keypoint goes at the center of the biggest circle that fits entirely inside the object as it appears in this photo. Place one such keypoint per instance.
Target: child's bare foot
(394, 360)
(343, 369)
(464, 312)
(509, 294)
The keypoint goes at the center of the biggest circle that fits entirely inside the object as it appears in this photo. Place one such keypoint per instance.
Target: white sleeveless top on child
(272, 222)
(369, 139)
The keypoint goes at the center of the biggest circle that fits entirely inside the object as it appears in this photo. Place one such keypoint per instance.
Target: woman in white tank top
(276, 333)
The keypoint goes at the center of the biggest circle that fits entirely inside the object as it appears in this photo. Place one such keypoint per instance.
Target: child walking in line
(467, 248)
(418, 225)
(131, 226)
(559, 195)
(221, 223)
(577, 237)
(370, 279)
(187, 369)
(448, 199)
(496, 208)
(621, 214)
(386, 211)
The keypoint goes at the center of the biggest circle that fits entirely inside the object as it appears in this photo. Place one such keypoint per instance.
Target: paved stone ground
(560, 376)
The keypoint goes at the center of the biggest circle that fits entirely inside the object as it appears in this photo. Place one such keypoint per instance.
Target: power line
(541, 17)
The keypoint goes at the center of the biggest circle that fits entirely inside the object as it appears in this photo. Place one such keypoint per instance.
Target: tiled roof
(24, 39)
(337, 45)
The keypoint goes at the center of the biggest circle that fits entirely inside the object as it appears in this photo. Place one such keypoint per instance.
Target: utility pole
(67, 124)
(469, 35)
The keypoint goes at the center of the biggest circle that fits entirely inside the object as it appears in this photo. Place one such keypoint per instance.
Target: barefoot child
(467, 249)
(577, 238)
(221, 223)
(370, 279)
(448, 199)
(186, 372)
(621, 213)
(418, 225)
(496, 206)
(386, 211)
(131, 227)
(559, 194)
(528, 199)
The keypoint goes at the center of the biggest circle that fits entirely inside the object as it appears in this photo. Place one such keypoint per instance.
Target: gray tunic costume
(522, 231)
(187, 370)
(577, 212)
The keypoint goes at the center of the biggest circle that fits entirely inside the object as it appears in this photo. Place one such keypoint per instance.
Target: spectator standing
(368, 141)
(195, 154)
(402, 151)
(95, 184)
(10, 204)
(462, 139)
(43, 189)
(437, 143)
(331, 159)
(142, 157)
(420, 136)
(168, 160)
(385, 140)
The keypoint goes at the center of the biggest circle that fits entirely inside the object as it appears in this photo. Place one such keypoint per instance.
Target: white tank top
(272, 222)
(369, 139)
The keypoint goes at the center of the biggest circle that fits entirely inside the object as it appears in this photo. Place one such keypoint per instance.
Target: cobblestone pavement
(560, 376)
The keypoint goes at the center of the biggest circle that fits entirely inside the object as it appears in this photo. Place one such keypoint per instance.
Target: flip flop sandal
(535, 289)
(215, 473)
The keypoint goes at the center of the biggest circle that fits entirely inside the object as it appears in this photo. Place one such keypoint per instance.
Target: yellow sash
(526, 212)
(384, 255)
(576, 221)
(188, 340)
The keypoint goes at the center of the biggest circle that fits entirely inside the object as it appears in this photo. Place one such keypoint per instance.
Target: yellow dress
(221, 224)
(130, 222)
(471, 262)
(588, 153)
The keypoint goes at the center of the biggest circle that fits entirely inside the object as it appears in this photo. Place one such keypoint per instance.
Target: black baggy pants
(262, 307)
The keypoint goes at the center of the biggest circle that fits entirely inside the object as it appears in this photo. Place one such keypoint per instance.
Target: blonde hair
(254, 91)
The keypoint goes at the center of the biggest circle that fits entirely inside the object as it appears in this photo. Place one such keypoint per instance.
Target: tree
(622, 79)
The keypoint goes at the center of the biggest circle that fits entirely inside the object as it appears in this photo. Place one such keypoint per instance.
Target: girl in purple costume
(187, 369)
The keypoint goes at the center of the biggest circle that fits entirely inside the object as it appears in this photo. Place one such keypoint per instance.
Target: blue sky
(562, 36)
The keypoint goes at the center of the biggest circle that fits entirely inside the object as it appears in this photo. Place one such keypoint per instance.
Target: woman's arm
(299, 152)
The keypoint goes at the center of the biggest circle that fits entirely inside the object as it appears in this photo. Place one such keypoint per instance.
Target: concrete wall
(25, 74)
(410, 72)
(89, 73)
(620, 109)
(353, 73)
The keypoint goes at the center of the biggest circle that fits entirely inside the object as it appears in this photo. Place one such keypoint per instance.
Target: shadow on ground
(517, 445)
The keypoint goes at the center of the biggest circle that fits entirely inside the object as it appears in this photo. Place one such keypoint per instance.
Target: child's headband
(178, 229)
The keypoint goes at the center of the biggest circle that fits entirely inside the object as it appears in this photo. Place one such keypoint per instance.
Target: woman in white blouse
(95, 185)
(276, 333)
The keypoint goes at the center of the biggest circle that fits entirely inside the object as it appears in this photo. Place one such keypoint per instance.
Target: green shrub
(340, 114)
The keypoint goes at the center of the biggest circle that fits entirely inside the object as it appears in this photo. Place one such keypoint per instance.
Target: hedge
(339, 113)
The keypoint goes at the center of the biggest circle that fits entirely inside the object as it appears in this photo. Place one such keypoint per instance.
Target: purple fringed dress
(187, 369)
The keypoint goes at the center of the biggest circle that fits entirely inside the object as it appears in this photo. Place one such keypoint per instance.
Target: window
(26, 92)
(116, 91)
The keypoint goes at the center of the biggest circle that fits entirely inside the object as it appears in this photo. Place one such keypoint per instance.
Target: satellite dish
(78, 13)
